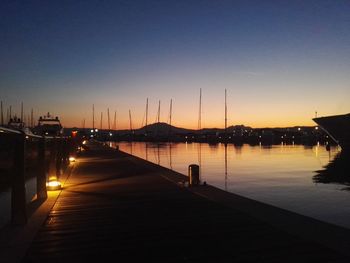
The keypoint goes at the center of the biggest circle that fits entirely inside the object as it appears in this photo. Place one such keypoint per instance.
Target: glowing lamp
(53, 184)
(72, 159)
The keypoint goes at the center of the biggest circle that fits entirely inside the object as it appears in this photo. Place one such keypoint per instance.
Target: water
(281, 175)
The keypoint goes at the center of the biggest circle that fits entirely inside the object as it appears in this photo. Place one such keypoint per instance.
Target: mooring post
(66, 152)
(41, 190)
(59, 157)
(52, 159)
(193, 174)
(18, 193)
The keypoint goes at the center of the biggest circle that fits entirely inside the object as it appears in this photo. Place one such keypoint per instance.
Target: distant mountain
(162, 128)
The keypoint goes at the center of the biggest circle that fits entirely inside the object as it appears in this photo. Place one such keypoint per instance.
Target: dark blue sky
(62, 56)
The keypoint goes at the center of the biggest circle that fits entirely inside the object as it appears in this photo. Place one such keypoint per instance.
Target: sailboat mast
(10, 112)
(22, 112)
(83, 124)
(200, 110)
(158, 116)
(31, 118)
(170, 115)
(109, 122)
(170, 112)
(93, 117)
(101, 120)
(115, 121)
(225, 112)
(2, 115)
(130, 121)
(146, 112)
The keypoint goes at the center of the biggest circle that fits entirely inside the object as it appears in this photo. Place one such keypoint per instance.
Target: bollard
(52, 160)
(193, 174)
(66, 152)
(59, 154)
(18, 193)
(41, 190)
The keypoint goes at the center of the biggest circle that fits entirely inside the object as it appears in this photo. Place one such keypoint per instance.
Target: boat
(337, 127)
(49, 126)
(17, 124)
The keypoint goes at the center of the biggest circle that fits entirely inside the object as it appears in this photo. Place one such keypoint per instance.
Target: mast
(83, 124)
(32, 118)
(146, 128)
(10, 112)
(158, 115)
(101, 120)
(130, 121)
(170, 115)
(2, 115)
(109, 122)
(115, 121)
(225, 113)
(146, 112)
(170, 111)
(200, 110)
(22, 112)
(93, 117)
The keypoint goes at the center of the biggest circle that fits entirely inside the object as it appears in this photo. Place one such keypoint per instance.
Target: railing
(28, 154)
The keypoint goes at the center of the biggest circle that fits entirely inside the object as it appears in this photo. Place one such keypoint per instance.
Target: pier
(117, 206)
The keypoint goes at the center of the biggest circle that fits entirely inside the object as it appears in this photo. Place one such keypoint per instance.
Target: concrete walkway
(118, 207)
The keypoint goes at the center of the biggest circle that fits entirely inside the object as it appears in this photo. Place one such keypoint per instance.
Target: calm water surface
(303, 179)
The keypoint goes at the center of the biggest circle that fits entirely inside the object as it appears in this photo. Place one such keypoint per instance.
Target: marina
(175, 131)
(103, 200)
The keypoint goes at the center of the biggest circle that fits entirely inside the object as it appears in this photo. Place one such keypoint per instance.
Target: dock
(119, 207)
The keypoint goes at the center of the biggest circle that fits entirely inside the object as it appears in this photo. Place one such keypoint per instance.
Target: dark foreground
(118, 207)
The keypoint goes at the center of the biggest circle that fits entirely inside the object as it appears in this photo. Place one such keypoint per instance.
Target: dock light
(53, 184)
(92, 131)
(299, 129)
(1, 130)
(110, 134)
(316, 128)
(96, 130)
(84, 142)
(72, 159)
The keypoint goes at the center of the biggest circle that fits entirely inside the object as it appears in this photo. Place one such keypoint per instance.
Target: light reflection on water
(281, 175)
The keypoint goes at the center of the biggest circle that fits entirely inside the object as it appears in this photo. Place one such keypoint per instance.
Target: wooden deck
(114, 206)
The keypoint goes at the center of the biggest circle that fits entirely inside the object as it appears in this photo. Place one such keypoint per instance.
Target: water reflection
(337, 171)
(281, 175)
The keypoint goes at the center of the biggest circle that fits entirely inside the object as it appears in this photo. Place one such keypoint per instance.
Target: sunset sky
(280, 61)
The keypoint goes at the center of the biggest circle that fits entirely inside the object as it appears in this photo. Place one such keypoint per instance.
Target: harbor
(174, 131)
(113, 203)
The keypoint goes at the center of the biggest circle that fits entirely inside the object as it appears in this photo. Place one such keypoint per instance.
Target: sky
(280, 61)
